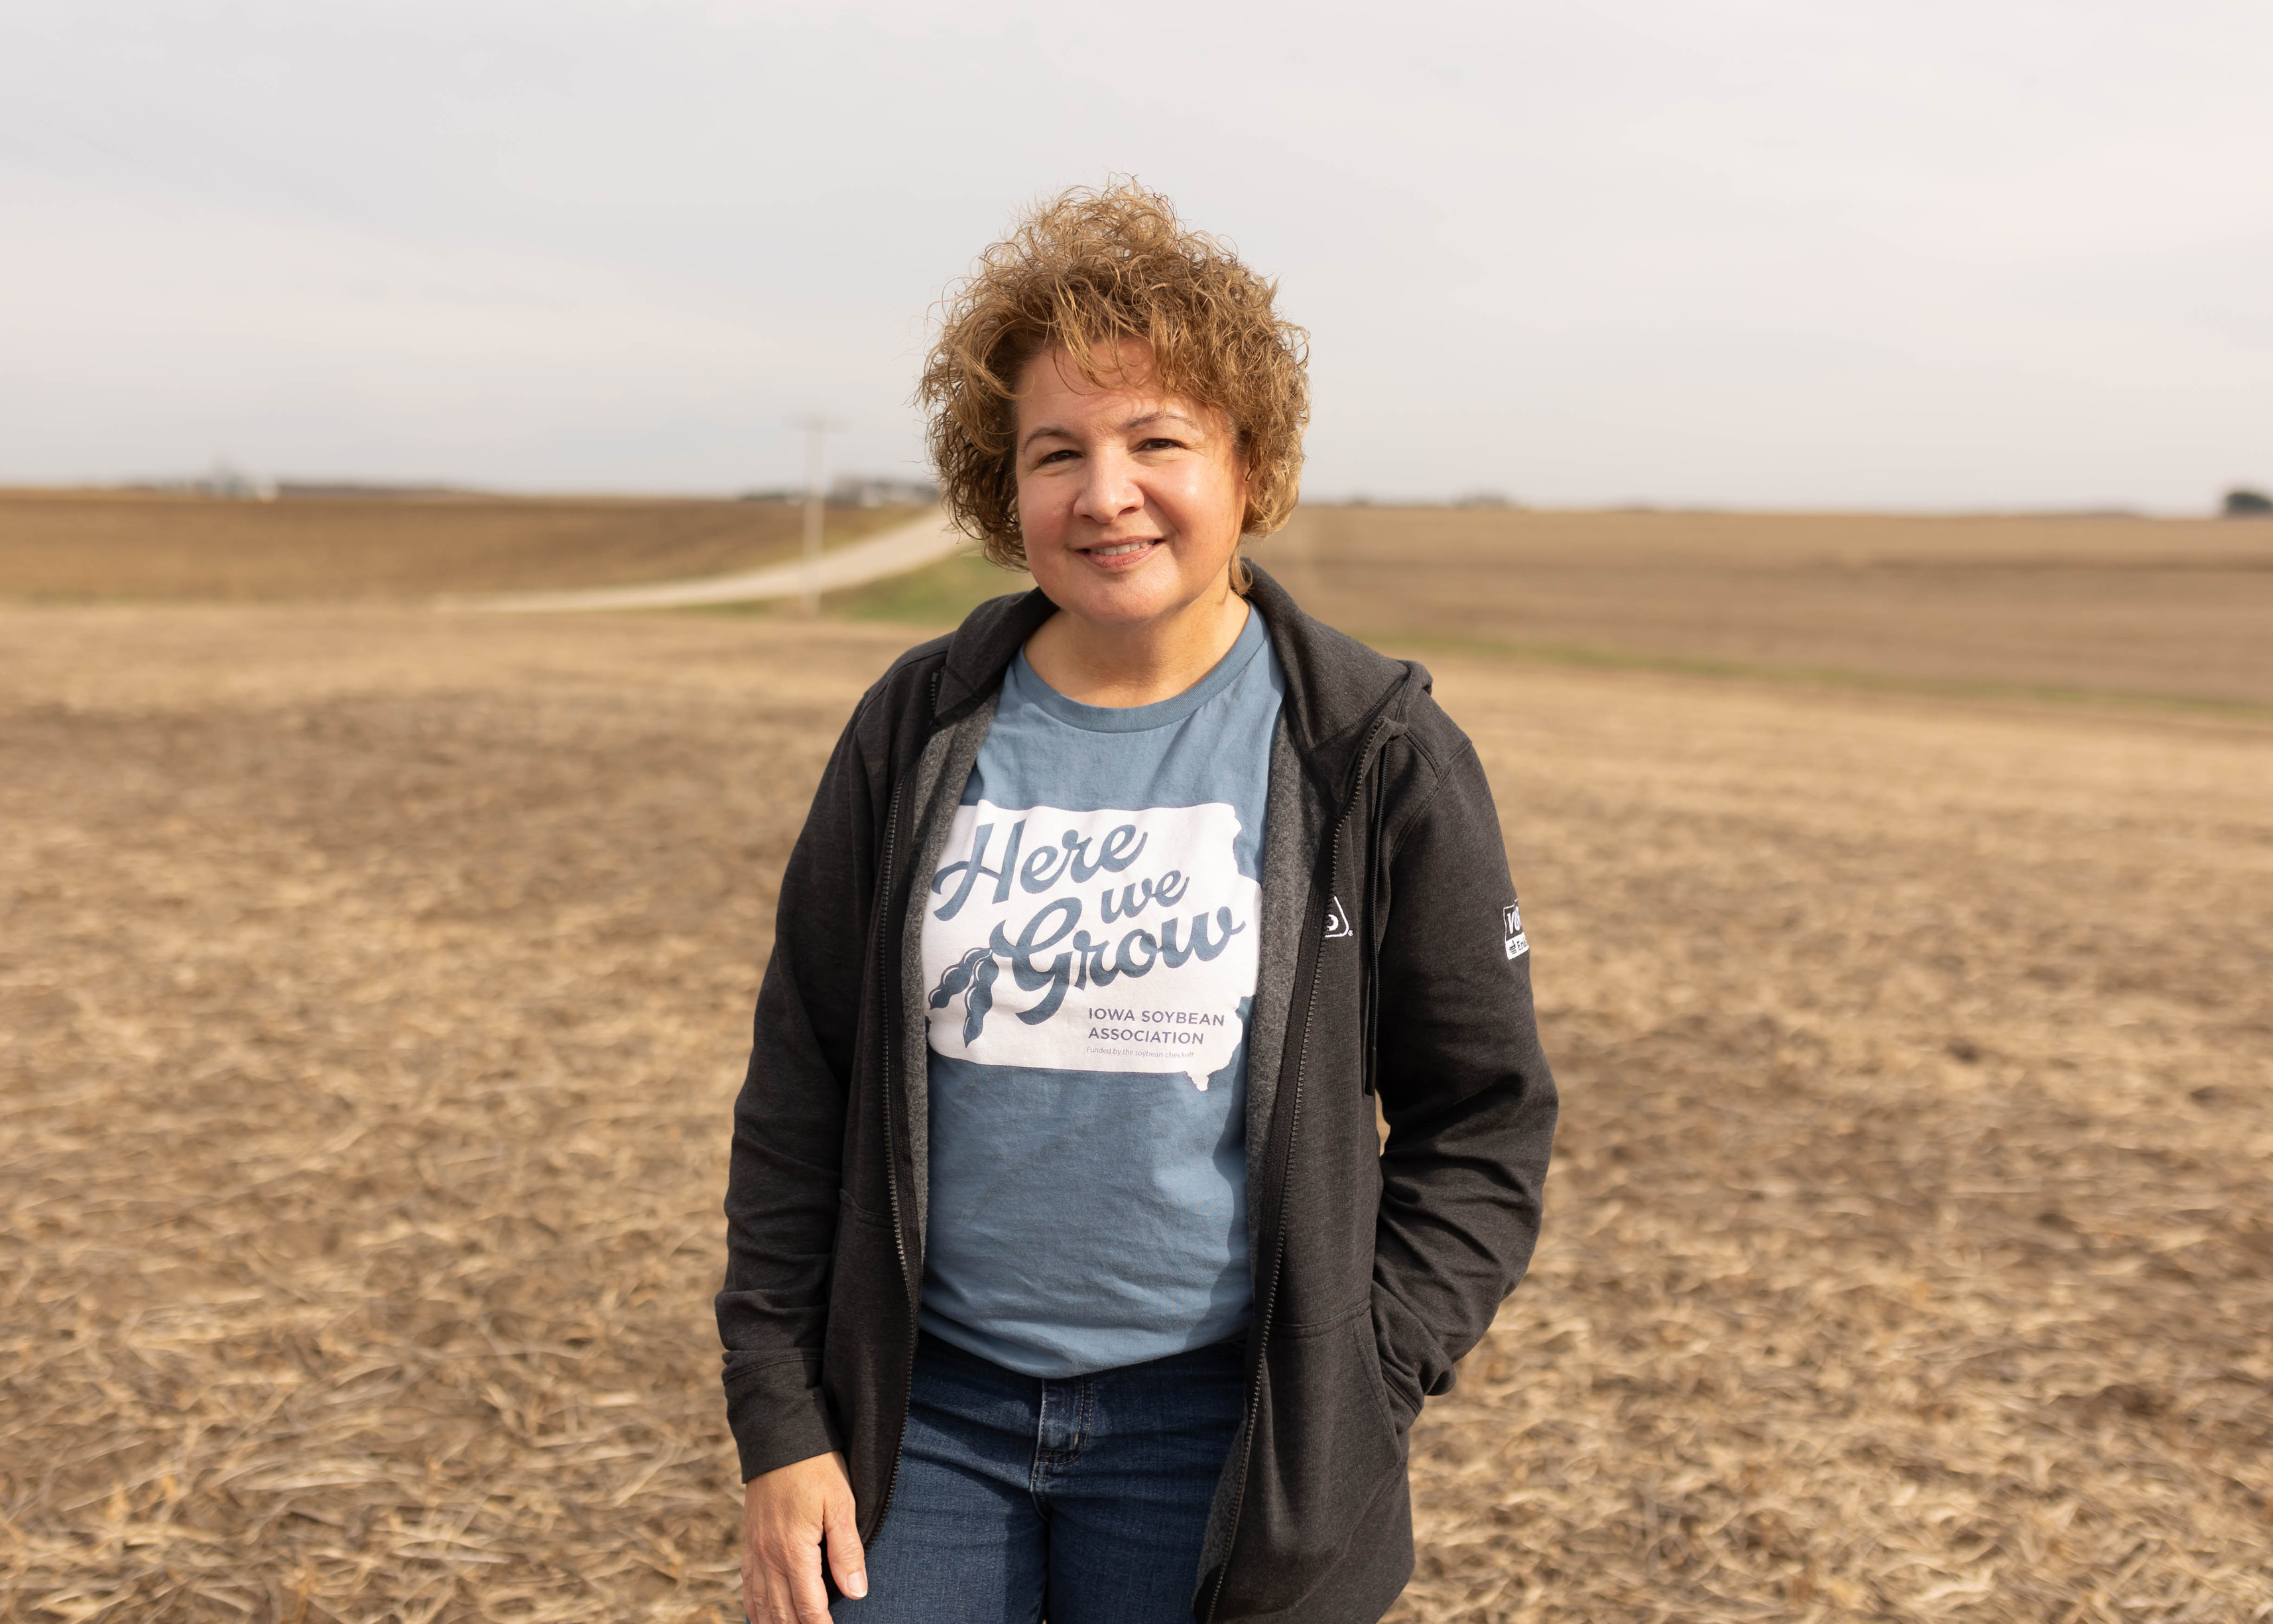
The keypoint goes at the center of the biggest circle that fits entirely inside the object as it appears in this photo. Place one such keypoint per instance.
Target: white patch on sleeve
(1110, 941)
(1510, 919)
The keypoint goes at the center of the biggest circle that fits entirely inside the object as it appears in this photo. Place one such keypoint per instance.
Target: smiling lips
(1117, 552)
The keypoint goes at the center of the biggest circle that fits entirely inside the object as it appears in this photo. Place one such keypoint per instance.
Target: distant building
(854, 491)
(351, 490)
(223, 480)
(878, 490)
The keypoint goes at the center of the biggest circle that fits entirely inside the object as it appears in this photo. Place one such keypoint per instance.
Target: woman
(1067, 1272)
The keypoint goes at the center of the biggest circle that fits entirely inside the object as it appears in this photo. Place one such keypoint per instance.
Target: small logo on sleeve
(1510, 919)
(1337, 925)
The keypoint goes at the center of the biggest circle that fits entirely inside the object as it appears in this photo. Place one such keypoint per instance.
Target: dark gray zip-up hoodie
(1391, 959)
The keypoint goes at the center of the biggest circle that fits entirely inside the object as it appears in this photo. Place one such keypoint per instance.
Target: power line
(816, 426)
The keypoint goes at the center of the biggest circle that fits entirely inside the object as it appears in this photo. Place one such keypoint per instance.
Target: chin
(1138, 596)
(1115, 606)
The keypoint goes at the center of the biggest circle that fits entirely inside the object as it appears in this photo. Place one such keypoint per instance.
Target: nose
(1109, 489)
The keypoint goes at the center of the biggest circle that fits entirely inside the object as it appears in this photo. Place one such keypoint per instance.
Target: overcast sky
(1932, 253)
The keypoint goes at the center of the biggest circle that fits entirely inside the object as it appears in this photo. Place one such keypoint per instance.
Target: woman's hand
(787, 1515)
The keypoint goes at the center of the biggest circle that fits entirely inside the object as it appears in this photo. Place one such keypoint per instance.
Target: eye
(1159, 442)
(1061, 452)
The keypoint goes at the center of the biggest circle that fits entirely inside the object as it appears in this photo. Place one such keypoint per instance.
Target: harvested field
(374, 994)
(2164, 611)
(78, 545)
(2158, 608)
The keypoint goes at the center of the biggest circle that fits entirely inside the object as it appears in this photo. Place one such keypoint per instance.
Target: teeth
(1118, 549)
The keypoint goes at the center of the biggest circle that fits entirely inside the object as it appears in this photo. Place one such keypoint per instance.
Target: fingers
(792, 1597)
(756, 1599)
(766, 1596)
(787, 1516)
(846, 1560)
(808, 1596)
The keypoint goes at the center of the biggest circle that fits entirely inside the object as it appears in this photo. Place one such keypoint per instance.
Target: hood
(1335, 685)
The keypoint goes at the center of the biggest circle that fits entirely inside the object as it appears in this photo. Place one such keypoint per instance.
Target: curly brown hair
(1083, 273)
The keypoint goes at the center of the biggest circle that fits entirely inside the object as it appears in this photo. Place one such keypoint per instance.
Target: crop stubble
(2174, 609)
(373, 995)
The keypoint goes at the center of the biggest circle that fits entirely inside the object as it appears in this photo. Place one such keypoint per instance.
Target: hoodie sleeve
(1464, 1086)
(784, 1176)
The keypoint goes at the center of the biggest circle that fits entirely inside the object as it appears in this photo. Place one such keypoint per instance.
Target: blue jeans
(1083, 1498)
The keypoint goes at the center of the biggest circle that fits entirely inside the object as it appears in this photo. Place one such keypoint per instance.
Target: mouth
(1120, 554)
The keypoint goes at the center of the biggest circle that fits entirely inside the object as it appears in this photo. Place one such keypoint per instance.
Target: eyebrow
(1049, 431)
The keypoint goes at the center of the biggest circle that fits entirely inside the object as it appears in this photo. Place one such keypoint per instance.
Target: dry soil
(374, 989)
(2170, 608)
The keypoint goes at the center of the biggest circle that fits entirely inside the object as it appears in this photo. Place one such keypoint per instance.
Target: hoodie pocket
(870, 1342)
(1324, 1446)
(864, 1274)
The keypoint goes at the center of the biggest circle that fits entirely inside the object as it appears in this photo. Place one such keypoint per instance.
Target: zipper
(892, 1141)
(1283, 1168)
(1370, 963)
(886, 940)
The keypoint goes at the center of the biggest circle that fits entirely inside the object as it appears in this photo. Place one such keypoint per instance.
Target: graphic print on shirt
(1105, 941)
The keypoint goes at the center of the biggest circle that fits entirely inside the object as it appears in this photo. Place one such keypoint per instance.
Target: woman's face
(1130, 498)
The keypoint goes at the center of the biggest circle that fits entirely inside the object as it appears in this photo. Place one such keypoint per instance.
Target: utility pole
(815, 427)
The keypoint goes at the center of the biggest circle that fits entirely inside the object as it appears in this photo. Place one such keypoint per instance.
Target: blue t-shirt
(1089, 946)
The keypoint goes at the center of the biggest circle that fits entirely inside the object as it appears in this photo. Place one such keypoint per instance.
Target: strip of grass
(937, 595)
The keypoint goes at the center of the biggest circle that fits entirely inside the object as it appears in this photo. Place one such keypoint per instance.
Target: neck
(1119, 665)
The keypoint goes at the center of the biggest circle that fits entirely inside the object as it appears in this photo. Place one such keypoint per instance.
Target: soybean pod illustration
(972, 975)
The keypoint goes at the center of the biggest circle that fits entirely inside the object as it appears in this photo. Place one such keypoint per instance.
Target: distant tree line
(2246, 504)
